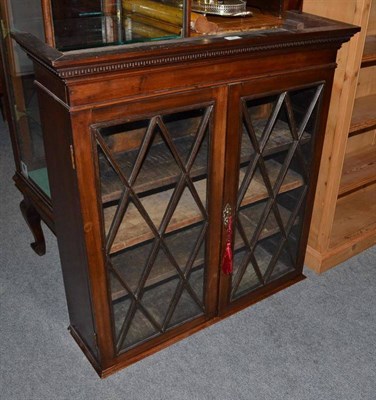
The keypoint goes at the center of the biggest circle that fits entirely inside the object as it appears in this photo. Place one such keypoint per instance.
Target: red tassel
(227, 257)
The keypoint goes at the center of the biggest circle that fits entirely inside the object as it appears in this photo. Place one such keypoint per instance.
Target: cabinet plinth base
(320, 263)
(125, 362)
(81, 344)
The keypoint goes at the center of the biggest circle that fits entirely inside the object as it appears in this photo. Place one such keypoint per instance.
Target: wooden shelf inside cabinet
(155, 192)
(135, 230)
(279, 141)
(159, 162)
(133, 258)
(359, 170)
(369, 54)
(364, 115)
(252, 216)
(129, 265)
(159, 169)
(355, 217)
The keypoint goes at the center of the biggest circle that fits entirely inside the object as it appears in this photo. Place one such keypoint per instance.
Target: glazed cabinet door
(25, 122)
(157, 181)
(271, 132)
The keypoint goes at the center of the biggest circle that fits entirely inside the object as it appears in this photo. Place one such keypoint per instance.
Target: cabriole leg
(33, 220)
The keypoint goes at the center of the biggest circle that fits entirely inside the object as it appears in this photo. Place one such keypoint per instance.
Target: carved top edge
(154, 61)
(66, 68)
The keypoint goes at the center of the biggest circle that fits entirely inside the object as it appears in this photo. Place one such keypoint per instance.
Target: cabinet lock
(227, 211)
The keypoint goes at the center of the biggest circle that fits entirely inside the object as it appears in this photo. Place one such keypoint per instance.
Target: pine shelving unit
(344, 217)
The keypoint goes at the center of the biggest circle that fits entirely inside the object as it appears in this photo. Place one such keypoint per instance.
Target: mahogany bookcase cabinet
(178, 175)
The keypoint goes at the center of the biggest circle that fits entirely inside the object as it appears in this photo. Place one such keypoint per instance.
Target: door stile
(232, 162)
(89, 199)
(217, 171)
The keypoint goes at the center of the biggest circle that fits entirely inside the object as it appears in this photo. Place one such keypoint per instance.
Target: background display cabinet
(344, 216)
(173, 148)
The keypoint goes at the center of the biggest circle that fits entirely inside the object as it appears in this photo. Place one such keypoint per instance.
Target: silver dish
(224, 8)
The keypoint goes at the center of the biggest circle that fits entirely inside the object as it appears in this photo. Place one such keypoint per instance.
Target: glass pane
(272, 258)
(130, 264)
(140, 329)
(79, 25)
(186, 309)
(276, 143)
(25, 110)
(153, 178)
(25, 19)
(23, 97)
(293, 204)
(197, 280)
(301, 102)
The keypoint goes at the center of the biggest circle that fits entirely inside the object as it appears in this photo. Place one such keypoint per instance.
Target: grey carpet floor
(314, 340)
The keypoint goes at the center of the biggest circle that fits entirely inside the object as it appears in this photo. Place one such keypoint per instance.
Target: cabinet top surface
(296, 30)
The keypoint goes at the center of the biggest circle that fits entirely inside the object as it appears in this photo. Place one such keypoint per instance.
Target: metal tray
(224, 8)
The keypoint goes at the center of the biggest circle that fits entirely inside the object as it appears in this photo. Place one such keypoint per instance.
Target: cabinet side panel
(65, 202)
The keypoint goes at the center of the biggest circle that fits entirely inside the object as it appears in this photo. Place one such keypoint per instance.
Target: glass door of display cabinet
(96, 23)
(154, 175)
(23, 100)
(272, 155)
